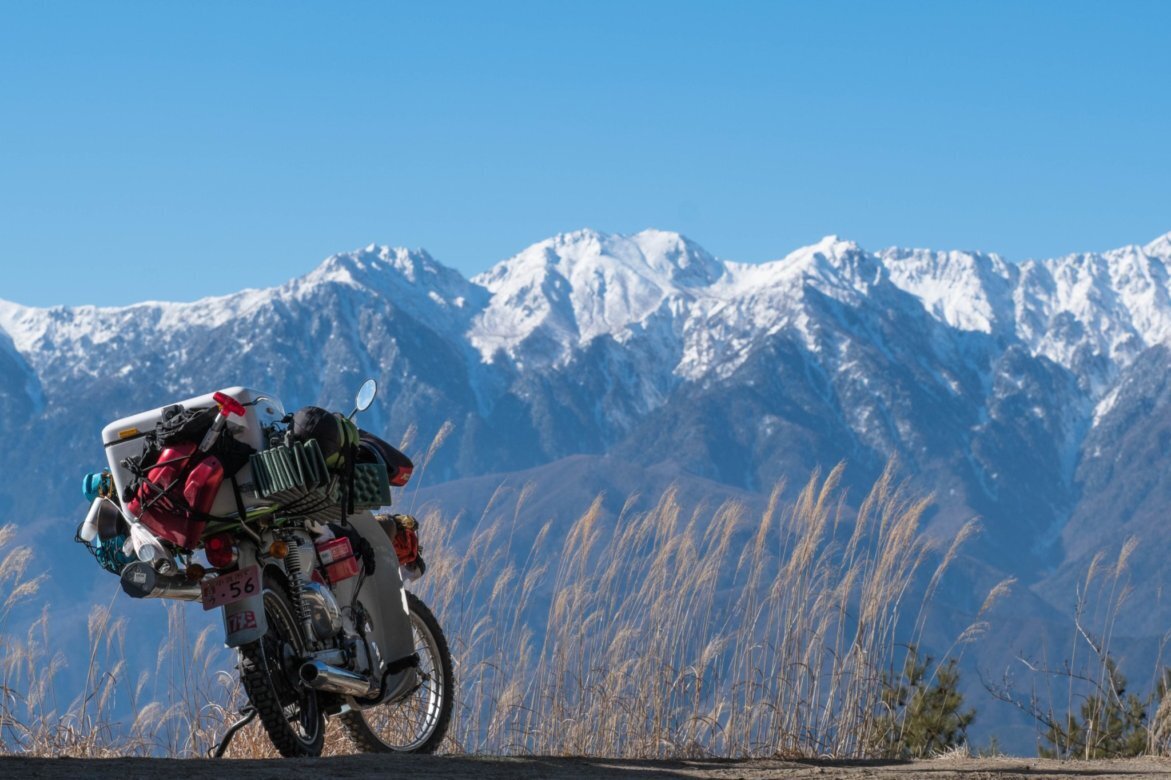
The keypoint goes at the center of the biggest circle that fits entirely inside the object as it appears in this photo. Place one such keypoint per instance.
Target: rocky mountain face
(1034, 395)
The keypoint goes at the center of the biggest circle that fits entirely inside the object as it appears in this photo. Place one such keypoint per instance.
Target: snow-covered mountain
(1030, 394)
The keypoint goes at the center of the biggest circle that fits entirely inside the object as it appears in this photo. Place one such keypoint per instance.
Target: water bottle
(89, 527)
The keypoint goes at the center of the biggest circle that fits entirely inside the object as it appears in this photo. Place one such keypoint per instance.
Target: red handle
(228, 405)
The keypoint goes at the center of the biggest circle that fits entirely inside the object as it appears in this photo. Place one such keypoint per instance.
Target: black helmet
(331, 431)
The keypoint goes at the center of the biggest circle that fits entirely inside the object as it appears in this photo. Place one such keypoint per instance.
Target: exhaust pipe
(324, 677)
(141, 581)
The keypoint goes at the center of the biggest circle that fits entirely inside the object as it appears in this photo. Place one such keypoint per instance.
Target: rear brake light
(401, 476)
(220, 551)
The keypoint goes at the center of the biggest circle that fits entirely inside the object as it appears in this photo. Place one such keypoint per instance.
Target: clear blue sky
(173, 150)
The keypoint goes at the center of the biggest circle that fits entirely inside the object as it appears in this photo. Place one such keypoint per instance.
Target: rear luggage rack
(296, 480)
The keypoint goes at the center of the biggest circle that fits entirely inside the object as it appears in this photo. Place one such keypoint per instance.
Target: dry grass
(667, 634)
(655, 634)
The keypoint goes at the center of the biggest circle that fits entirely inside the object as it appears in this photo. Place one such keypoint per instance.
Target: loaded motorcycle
(309, 581)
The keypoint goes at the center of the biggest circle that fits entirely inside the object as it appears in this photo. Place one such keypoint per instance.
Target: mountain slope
(1030, 395)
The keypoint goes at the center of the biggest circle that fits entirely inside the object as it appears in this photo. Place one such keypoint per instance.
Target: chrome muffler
(141, 581)
(323, 677)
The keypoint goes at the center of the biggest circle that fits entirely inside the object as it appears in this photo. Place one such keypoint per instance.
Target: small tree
(921, 717)
(1111, 723)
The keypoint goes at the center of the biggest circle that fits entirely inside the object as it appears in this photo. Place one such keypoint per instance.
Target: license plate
(230, 588)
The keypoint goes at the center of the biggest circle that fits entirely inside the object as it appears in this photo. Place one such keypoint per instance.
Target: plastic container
(123, 439)
(338, 558)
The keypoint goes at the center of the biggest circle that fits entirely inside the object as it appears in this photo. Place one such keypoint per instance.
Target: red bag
(406, 544)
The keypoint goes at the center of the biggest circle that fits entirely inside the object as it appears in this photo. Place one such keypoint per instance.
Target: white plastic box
(124, 438)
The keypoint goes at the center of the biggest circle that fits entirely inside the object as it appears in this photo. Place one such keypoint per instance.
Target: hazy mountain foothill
(1032, 396)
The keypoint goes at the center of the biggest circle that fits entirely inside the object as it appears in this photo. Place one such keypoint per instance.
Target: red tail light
(401, 476)
(338, 557)
(220, 551)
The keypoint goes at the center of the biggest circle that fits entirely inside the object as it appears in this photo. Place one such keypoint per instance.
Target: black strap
(240, 510)
(351, 456)
(401, 665)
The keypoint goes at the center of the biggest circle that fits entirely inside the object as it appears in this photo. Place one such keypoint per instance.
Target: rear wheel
(269, 674)
(417, 721)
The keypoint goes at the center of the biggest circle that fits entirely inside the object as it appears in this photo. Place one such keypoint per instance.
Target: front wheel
(269, 675)
(417, 721)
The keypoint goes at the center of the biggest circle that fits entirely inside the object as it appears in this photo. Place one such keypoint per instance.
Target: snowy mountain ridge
(1092, 313)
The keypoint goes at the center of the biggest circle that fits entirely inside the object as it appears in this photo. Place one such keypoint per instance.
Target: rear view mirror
(366, 394)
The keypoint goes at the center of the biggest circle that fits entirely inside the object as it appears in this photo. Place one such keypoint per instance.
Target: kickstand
(247, 715)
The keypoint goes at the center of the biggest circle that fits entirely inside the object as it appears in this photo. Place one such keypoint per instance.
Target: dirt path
(484, 768)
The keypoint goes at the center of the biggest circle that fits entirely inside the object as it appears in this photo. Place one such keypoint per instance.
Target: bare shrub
(1084, 708)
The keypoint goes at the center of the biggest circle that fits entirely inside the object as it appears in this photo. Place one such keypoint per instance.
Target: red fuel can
(160, 508)
(203, 484)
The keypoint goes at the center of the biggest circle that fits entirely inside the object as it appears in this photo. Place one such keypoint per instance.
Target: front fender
(385, 601)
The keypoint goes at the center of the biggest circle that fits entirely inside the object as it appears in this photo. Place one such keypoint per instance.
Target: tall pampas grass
(656, 633)
(666, 633)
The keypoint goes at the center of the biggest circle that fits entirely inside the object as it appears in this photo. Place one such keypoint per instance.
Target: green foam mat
(371, 486)
(282, 469)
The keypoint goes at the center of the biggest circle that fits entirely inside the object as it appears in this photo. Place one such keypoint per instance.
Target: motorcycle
(226, 500)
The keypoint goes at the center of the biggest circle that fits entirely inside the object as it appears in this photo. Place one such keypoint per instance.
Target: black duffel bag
(372, 449)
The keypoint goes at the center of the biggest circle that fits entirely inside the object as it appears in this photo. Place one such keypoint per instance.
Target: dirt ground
(486, 768)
